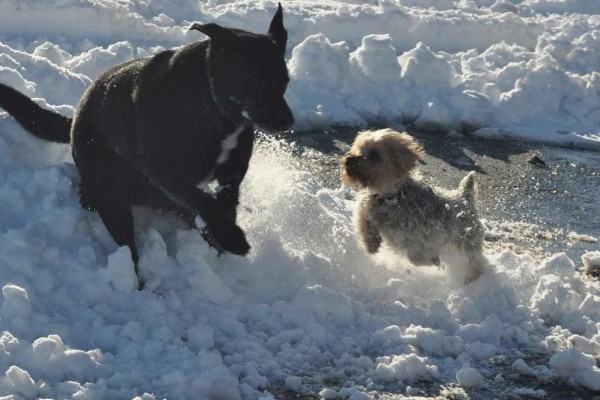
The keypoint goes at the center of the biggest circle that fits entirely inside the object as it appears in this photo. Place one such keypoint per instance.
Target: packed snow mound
(307, 309)
(506, 68)
(306, 298)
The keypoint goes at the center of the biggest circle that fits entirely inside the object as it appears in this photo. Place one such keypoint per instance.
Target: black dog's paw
(233, 240)
(229, 238)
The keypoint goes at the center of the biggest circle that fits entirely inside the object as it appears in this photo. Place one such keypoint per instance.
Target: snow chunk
(521, 367)
(16, 309)
(556, 300)
(326, 304)
(328, 394)
(201, 336)
(591, 262)
(572, 363)
(191, 256)
(22, 382)
(581, 237)
(376, 58)
(121, 270)
(430, 341)
(422, 67)
(590, 306)
(469, 377)
(405, 368)
(490, 330)
(294, 383)
(559, 264)
(587, 346)
(481, 351)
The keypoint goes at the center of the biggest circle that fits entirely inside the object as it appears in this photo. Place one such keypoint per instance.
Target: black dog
(155, 130)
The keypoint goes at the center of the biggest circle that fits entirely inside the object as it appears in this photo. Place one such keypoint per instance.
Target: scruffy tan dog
(420, 222)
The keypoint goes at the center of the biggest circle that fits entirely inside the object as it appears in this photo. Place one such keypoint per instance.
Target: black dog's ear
(276, 30)
(214, 31)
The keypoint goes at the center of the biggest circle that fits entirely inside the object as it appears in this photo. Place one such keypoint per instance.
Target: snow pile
(526, 69)
(577, 365)
(536, 92)
(469, 377)
(307, 310)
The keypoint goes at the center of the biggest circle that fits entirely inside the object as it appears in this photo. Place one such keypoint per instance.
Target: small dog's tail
(467, 187)
(38, 121)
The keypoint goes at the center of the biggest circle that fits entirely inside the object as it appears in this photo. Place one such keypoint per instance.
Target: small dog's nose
(352, 161)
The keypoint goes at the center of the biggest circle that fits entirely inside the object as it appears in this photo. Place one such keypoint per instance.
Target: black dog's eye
(374, 156)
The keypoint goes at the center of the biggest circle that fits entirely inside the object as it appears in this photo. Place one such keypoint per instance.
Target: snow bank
(526, 70)
(307, 310)
(306, 299)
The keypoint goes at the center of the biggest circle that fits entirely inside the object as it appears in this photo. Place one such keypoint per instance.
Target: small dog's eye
(374, 156)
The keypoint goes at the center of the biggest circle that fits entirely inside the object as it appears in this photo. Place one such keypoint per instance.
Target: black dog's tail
(40, 122)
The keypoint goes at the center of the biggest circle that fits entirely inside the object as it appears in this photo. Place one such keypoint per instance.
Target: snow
(591, 262)
(526, 69)
(469, 377)
(294, 383)
(307, 309)
(573, 363)
(120, 270)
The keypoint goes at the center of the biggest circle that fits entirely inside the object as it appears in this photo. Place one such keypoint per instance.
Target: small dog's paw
(472, 276)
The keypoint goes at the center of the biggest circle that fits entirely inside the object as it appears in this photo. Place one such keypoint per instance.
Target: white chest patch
(228, 144)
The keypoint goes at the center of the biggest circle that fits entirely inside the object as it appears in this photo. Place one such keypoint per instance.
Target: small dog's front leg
(421, 257)
(368, 234)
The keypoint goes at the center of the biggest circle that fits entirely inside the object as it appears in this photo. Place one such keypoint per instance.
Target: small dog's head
(379, 160)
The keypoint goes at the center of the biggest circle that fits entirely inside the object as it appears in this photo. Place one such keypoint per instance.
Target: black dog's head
(248, 74)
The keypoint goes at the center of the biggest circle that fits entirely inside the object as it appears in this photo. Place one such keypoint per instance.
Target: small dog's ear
(214, 31)
(277, 31)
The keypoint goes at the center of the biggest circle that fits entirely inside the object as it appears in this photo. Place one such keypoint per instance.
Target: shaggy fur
(420, 222)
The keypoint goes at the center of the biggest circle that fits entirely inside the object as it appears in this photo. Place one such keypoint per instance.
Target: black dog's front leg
(232, 172)
(229, 236)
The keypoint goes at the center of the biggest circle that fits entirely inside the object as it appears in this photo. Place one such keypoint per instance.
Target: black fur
(150, 130)
(41, 122)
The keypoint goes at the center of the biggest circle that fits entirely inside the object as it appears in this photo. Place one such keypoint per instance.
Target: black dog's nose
(285, 119)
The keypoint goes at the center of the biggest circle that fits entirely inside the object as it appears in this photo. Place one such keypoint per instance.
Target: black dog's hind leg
(107, 188)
